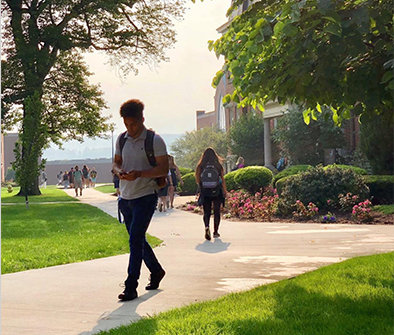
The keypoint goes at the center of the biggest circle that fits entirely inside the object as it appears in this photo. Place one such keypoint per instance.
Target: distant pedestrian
(240, 164)
(71, 177)
(210, 179)
(163, 193)
(44, 179)
(78, 181)
(115, 180)
(136, 151)
(93, 177)
(66, 179)
(85, 172)
(174, 179)
(59, 177)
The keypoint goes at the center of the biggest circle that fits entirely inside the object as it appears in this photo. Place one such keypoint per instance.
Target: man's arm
(160, 170)
(117, 165)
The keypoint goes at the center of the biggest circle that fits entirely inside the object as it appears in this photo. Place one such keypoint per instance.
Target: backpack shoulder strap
(150, 154)
(122, 141)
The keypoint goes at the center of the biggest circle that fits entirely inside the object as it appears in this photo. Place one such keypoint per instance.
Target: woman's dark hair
(132, 108)
(211, 157)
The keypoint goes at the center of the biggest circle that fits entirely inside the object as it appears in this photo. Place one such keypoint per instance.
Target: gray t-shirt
(134, 158)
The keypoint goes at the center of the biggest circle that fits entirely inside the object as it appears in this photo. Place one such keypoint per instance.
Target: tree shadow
(124, 315)
(213, 247)
(295, 310)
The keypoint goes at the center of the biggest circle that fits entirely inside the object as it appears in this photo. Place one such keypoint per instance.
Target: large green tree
(305, 144)
(312, 53)
(45, 87)
(246, 138)
(189, 148)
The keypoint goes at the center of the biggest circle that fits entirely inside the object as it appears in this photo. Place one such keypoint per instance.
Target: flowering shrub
(361, 212)
(328, 218)
(245, 206)
(318, 185)
(346, 202)
(303, 212)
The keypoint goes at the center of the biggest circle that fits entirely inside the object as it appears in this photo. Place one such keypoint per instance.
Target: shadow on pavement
(116, 318)
(213, 247)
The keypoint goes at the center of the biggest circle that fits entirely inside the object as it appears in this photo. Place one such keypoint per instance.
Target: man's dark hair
(132, 108)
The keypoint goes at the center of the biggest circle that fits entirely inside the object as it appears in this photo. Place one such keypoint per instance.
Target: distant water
(93, 149)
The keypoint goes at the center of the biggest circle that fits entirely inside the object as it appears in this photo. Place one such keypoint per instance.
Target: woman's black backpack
(210, 181)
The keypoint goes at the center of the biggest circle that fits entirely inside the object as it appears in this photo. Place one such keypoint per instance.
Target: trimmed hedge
(253, 178)
(189, 186)
(351, 167)
(183, 171)
(318, 185)
(230, 182)
(381, 189)
(290, 171)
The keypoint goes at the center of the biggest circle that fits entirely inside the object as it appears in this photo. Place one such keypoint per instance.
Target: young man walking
(138, 192)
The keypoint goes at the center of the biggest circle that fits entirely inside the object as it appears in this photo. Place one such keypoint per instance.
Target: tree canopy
(189, 148)
(312, 53)
(305, 144)
(246, 138)
(45, 82)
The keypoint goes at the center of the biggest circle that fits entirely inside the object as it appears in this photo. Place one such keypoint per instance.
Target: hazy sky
(176, 89)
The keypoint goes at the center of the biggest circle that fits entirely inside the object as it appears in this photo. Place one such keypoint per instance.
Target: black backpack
(210, 181)
(150, 154)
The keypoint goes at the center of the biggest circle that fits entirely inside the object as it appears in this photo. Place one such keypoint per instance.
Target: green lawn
(352, 297)
(385, 209)
(106, 188)
(50, 194)
(54, 234)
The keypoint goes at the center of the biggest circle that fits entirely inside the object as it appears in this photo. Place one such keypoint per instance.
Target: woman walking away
(175, 177)
(210, 179)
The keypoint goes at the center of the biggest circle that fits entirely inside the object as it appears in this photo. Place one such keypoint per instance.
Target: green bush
(253, 178)
(292, 170)
(10, 174)
(184, 170)
(280, 184)
(381, 189)
(354, 168)
(230, 182)
(189, 186)
(318, 185)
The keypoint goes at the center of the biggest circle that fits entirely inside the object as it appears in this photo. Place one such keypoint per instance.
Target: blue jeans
(137, 215)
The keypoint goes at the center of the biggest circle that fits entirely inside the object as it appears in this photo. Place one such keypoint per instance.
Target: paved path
(81, 298)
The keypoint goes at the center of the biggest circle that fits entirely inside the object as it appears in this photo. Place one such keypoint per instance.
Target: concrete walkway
(81, 298)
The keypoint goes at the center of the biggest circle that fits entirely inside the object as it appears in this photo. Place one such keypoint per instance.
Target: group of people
(146, 173)
(77, 178)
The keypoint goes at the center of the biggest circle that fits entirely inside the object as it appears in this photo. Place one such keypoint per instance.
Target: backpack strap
(122, 141)
(150, 154)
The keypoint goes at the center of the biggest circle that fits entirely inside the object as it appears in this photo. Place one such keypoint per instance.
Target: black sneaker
(216, 235)
(207, 234)
(128, 295)
(155, 280)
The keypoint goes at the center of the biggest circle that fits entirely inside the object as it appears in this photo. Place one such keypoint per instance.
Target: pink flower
(298, 201)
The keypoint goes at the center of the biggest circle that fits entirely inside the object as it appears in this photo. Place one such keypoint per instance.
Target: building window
(245, 5)
(221, 114)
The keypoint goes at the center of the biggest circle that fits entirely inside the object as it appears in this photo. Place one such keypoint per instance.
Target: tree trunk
(34, 189)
